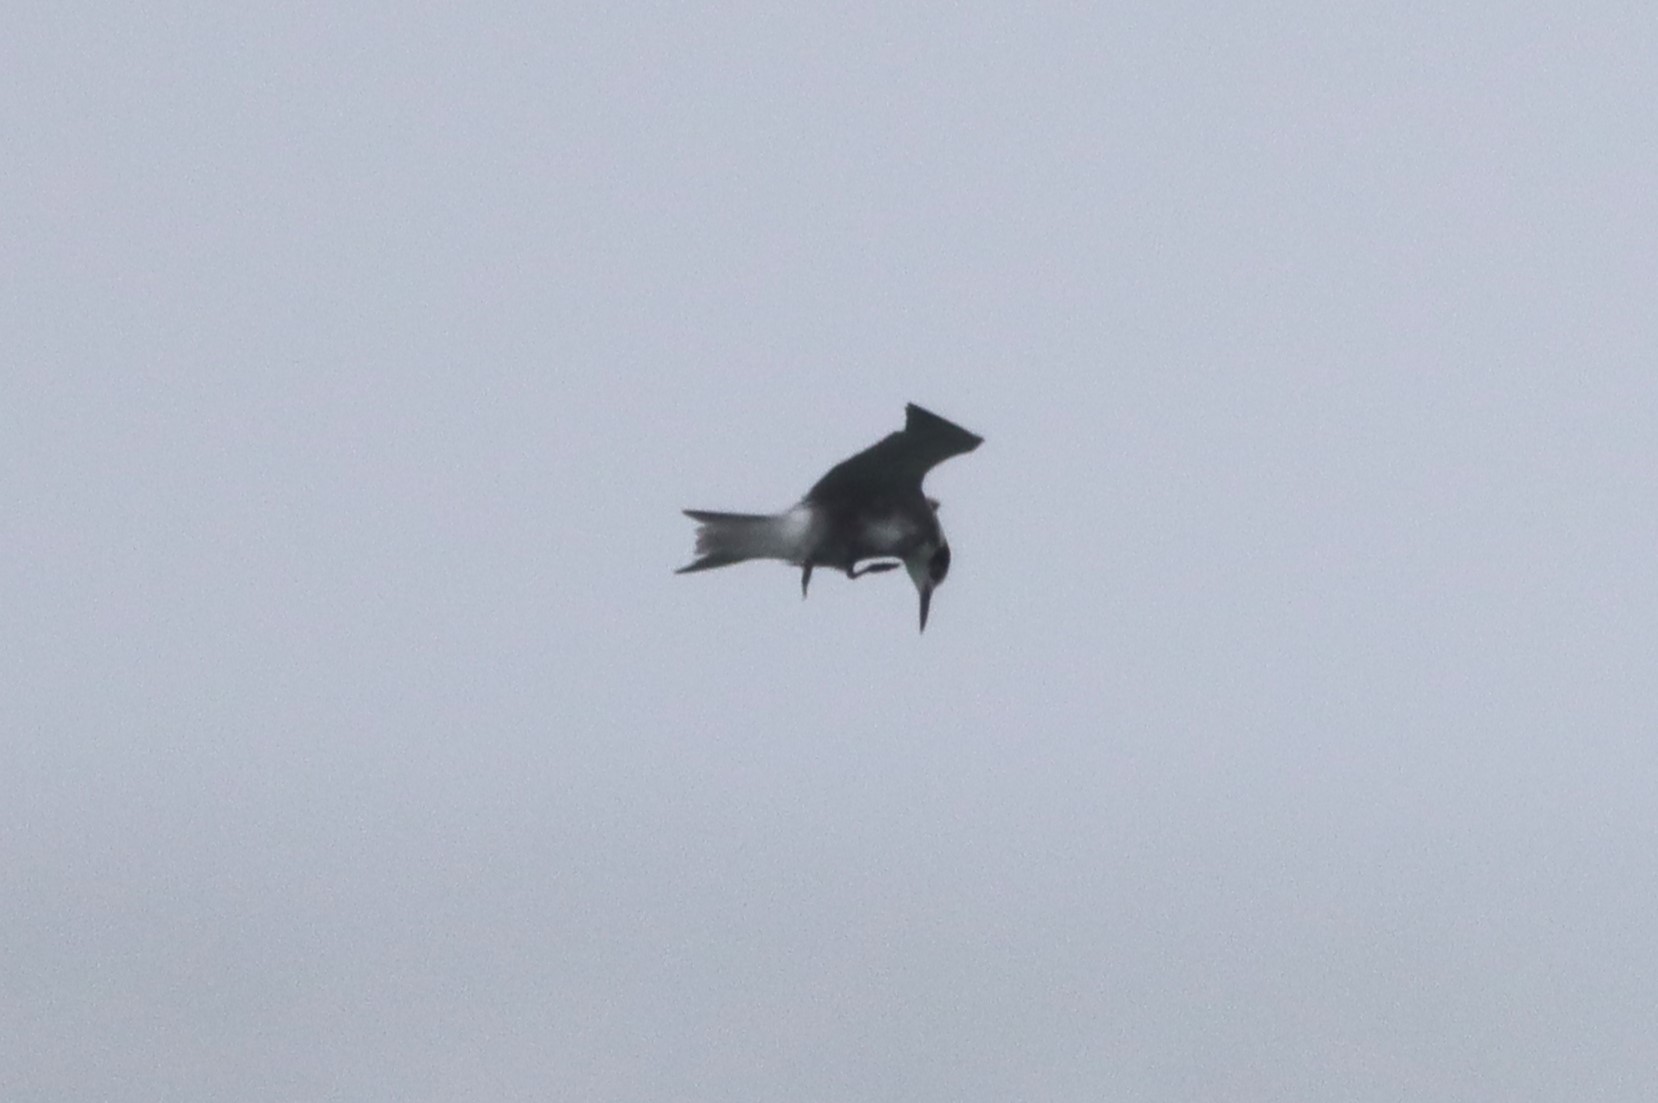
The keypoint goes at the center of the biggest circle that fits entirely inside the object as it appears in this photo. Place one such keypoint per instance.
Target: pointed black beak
(926, 603)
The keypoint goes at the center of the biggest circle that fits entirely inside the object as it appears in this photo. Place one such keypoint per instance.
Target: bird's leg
(805, 579)
(873, 568)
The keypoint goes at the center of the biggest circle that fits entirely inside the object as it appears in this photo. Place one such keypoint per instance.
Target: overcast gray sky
(1285, 730)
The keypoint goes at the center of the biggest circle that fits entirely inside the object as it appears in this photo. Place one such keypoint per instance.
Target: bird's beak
(917, 568)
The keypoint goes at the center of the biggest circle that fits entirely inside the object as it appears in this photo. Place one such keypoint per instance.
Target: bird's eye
(939, 565)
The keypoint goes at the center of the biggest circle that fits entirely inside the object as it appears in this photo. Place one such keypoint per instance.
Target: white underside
(793, 534)
(887, 534)
(788, 536)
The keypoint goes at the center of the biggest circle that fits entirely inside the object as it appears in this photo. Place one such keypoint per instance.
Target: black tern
(868, 507)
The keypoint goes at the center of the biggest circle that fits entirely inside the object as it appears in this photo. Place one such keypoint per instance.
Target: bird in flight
(868, 507)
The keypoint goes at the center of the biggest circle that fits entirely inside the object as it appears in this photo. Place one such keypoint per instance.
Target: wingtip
(920, 419)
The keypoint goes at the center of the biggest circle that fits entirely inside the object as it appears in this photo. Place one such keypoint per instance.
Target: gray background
(1284, 731)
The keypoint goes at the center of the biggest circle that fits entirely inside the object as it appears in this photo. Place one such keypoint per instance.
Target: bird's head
(928, 565)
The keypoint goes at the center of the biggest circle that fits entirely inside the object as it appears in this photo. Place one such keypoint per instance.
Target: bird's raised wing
(899, 461)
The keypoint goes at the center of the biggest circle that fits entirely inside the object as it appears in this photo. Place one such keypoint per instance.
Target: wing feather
(899, 461)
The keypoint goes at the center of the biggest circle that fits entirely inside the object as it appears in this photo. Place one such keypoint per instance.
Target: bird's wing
(899, 461)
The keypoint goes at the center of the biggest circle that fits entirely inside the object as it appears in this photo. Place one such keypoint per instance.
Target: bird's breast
(889, 534)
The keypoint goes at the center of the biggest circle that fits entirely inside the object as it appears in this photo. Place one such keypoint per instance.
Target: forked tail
(726, 538)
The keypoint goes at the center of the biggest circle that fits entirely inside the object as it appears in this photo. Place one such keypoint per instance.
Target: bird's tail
(726, 538)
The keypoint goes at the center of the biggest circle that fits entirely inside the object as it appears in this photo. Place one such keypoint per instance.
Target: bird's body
(868, 507)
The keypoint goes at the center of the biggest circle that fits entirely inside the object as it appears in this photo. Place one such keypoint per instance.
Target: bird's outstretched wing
(899, 461)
